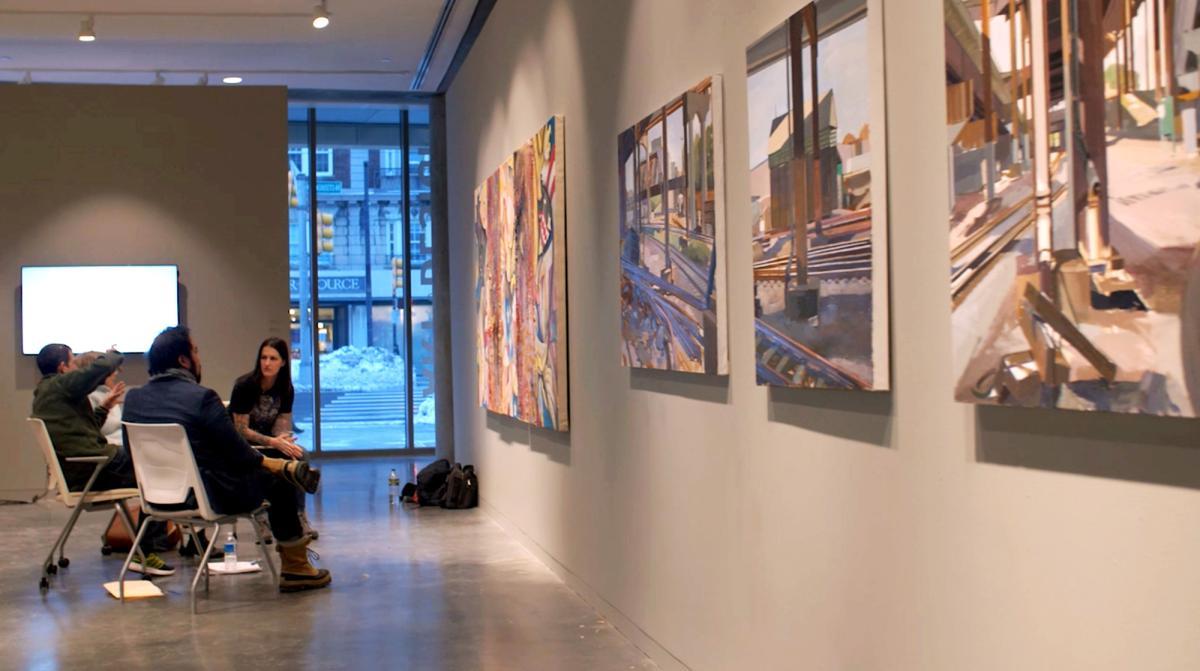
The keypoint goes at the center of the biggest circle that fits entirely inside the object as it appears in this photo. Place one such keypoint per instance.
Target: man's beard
(194, 370)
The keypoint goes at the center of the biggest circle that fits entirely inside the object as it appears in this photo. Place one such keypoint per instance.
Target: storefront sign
(331, 286)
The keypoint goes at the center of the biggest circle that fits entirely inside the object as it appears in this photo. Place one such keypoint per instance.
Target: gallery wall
(724, 525)
(97, 175)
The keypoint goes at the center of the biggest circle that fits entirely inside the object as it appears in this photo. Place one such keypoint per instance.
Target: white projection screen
(97, 307)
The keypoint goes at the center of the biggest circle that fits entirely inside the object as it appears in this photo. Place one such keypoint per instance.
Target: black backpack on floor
(431, 483)
(462, 488)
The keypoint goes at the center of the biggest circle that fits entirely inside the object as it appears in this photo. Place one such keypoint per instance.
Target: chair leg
(262, 546)
(127, 520)
(62, 539)
(203, 569)
(128, 558)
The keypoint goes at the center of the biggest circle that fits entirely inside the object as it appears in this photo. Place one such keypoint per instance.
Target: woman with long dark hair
(261, 405)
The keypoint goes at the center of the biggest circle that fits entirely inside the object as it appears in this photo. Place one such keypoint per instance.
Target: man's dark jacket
(61, 401)
(229, 467)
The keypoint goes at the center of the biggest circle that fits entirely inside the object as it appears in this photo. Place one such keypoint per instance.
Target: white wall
(126, 174)
(728, 526)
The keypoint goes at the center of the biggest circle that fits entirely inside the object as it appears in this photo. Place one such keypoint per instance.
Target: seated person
(236, 476)
(61, 401)
(261, 405)
(110, 387)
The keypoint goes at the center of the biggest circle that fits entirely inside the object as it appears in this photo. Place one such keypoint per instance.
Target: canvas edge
(881, 318)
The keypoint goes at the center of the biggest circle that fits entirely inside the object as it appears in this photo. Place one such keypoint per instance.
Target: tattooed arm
(242, 422)
(281, 443)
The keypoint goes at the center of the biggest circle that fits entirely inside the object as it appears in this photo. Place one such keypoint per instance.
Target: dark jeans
(283, 514)
(301, 497)
(118, 474)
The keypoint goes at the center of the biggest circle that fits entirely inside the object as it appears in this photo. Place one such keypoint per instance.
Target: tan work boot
(296, 573)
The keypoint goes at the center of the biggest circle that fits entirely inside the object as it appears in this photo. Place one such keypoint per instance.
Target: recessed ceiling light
(385, 59)
(320, 16)
(5, 58)
(87, 30)
(232, 80)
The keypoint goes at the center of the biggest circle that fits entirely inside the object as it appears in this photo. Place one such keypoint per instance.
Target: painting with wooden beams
(1074, 186)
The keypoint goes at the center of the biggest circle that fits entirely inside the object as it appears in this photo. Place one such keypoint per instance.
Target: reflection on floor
(416, 589)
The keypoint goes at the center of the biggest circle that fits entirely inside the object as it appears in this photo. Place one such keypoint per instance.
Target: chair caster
(51, 569)
(64, 562)
(106, 550)
(44, 585)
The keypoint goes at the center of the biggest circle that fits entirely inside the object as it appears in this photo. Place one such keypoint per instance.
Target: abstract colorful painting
(671, 180)
(818, 199)
(520, 233)
(1074, 190)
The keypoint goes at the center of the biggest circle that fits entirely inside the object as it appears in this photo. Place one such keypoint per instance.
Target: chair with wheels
(77, 502)
(172, 490)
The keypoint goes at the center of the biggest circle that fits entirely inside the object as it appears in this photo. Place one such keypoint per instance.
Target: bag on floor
(462, 488)
(454, 485)
(431, 483)
(116, 537)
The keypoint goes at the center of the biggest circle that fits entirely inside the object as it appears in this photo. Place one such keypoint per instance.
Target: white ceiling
(371, 45)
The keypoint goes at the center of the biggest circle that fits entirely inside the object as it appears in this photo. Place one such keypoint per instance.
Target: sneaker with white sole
(154, 565)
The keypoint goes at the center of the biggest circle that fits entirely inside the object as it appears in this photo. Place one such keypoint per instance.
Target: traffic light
(325, 220)
(397, 273)
(293, 197)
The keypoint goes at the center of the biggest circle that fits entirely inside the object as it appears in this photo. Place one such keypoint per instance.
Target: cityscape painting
(818, 199)
(520, 289)
(670, 172)
(1075, 203)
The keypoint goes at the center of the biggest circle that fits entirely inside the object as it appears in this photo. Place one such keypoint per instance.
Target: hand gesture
(115, 396)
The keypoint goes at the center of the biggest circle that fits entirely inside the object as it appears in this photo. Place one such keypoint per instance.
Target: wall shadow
(1138, 448)
(509, 429)
(864, 417)
(707, 388)
(555, 445)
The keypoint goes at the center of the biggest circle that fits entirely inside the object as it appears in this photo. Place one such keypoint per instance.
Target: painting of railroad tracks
(817, 185)
(520, 288)
(1075, 203)
(670, 172)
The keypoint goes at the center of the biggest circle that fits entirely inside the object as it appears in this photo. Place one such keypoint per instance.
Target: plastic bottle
(393, 488)
(230, 552)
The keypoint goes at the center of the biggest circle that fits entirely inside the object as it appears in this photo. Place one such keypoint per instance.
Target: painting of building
(1074, 192)
(817, 185)
(520, 232)
(672, 228)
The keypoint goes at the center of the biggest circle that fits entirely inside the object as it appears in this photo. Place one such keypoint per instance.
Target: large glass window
(363, 361)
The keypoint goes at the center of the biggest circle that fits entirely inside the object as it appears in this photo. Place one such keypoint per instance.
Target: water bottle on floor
(393, 488)
(230, 552)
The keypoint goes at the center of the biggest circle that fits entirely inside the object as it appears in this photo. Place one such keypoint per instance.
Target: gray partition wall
(96, 175)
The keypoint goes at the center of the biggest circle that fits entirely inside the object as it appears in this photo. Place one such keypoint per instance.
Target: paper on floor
(134, 589)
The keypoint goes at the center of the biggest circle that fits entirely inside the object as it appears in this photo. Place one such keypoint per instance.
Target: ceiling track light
(159, 79)
(320, 16)
(27, 79)
(87, 30)
(203, 80)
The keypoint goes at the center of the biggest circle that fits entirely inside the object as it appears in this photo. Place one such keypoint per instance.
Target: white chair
(172, 490)
(77, 502)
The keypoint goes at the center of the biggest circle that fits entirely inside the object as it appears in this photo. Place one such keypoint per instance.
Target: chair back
(42, 436)
(166, 470)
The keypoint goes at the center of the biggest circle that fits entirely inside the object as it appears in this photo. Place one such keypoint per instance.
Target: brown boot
(296, 573)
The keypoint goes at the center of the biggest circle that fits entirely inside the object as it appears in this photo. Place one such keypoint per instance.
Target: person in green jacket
(61, 402)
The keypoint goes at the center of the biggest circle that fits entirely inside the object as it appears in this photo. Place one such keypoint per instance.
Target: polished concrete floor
(412, 589)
